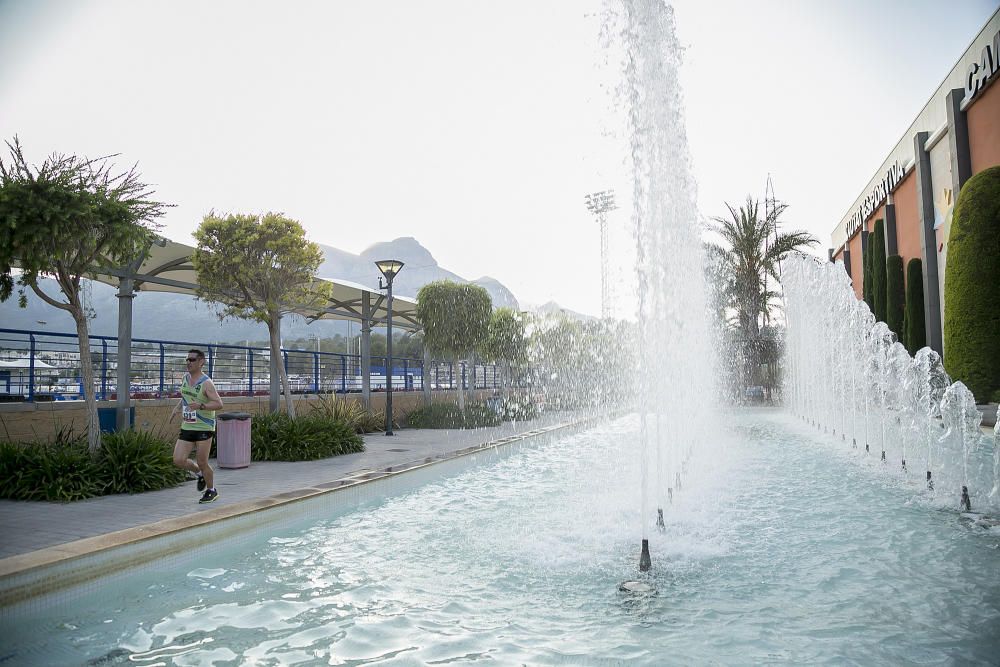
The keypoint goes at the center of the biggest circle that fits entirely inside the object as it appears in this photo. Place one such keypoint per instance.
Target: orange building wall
(857, 269)
(983, 118)
(907, 219)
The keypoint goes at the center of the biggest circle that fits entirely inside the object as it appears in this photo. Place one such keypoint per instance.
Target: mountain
(182, 318)
(552, 309)
(419, 268)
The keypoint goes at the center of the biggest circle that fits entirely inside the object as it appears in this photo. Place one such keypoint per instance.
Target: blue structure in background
(157, 369)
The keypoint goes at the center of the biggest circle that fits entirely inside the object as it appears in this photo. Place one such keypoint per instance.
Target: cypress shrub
(866, 273)
(972, 287)
(916, 334)
(877, 245)
(895, 296)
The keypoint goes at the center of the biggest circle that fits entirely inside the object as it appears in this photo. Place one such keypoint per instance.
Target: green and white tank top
(195, 420)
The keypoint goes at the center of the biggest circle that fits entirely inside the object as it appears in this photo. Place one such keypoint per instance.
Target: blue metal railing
(42, 365)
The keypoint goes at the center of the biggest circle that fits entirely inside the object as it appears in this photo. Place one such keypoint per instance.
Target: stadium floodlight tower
(599, 203)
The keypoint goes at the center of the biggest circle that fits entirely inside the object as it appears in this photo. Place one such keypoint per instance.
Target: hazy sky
(475, 127)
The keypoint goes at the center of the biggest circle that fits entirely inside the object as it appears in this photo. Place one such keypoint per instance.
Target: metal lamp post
(599, 203)
(389, 269)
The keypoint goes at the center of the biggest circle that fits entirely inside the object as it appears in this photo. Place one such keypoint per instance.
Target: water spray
(659, 520)
(966, 503)
(930, 482)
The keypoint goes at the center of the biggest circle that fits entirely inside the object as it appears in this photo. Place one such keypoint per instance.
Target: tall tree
(753, 247)
(259, 267)
(456, 321)
(68, 219)
(505, 343)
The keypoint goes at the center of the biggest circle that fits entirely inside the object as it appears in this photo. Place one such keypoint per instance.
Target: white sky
(473, 126)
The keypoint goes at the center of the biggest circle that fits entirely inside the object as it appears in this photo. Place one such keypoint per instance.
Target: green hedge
(877, 243)
(895, 296)
(477, 415)
(916, 333)
(65, 470)
(972, 287)
(278, 437)
(866, 273)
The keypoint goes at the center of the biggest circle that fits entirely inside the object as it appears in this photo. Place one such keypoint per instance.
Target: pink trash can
(233, 439)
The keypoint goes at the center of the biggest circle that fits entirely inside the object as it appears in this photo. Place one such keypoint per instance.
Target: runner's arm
(214, 401)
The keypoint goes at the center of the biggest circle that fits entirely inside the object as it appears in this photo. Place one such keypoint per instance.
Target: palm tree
(747, 266)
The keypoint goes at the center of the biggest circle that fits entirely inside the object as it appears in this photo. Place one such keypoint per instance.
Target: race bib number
(188, 415)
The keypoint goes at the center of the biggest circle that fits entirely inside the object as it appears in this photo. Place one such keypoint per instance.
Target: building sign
(981, 72)
(875, 198)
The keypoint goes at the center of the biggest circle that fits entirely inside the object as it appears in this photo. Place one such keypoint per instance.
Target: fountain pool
(785, 546)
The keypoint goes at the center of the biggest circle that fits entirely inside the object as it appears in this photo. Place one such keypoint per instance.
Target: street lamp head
(601, 202)
(389, 268)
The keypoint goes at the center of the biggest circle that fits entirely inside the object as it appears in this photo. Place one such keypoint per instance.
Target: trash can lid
(242, 416)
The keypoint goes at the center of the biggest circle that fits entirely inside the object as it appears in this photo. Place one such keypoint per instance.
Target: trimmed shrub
(866, 273)
(65, 470)
(916, 333)
(972, 287)
(477, 415)
(278, 437)
(59, 471)
(895, 296)
(351, 413)
(877, 244)
(448, 415)
(136, 461)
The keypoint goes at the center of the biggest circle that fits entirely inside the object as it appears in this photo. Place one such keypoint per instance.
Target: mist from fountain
(840, 360)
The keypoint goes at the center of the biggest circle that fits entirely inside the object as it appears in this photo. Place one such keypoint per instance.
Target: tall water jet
(672, 322)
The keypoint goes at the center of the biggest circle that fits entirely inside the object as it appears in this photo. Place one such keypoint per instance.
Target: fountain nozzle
(883, 456)
(644, 562)
(966, 503)
(930, 483)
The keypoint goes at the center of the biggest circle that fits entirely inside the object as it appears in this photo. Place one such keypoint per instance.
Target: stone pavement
(30, 526)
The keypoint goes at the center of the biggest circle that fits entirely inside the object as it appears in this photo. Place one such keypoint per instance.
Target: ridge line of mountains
(167, 316)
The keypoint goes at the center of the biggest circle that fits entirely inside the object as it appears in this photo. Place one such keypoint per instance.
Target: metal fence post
(343, 374)
(316, 372)
(250, 367)
(31, 369)
(211, 361)
(104, 369)
(162, 364)
(406, 374)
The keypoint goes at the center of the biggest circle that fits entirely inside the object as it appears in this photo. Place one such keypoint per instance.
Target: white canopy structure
(168, 268)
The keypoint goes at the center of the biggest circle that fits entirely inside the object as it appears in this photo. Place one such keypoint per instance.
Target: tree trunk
(274, 328)
(461, 387)
(87, 375)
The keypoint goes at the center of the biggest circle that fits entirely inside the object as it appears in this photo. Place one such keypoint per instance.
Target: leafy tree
(877, 245)
(259, 267)
(895, 298)
(752, 249)
(972, 287)
(916, 333)
(749, 257)
(67, 219)
(506, 343)
(456, 321)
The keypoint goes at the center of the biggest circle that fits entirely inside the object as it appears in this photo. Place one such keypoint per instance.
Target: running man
(199, 401)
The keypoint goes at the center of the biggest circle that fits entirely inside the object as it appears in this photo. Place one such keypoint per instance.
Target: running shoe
(210, 496)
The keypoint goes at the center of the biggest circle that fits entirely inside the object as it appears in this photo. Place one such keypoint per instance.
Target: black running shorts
(195, 436)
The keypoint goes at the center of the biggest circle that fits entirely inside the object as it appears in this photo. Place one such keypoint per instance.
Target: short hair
(198, 353)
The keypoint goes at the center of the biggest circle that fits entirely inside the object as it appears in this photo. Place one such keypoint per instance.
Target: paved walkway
(30, 526)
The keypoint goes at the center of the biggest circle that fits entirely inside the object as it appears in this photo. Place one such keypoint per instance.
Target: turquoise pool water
(783, 547)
